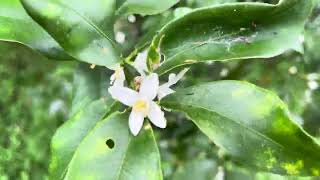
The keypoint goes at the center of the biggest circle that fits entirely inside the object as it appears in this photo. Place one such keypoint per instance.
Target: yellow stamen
(141, 106)
(92, 66)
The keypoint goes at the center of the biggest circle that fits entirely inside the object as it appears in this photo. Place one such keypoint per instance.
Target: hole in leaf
(110, 143)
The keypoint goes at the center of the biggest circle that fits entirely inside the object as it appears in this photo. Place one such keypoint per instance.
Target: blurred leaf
(89, 106)
(17, 26)
(109, 151)
(253, 125)
(89, 85)
(199, 169)
(84, 29)
(145, 7)
(69, 136)
(233, 31)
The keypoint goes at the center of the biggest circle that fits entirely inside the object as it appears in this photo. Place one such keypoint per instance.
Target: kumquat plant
(161, 89)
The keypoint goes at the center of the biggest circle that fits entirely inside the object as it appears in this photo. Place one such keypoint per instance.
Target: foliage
(246, 131)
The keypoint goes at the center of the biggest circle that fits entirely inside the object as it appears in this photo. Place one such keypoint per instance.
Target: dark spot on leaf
(189, 94)
(162, 57)
(110, 143)
(275, 33)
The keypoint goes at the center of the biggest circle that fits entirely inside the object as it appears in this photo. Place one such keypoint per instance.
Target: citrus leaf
(17, 26)
(89, 85)
(84, 29)
(89, 105)
(251, 124)
(109, 151)
(68, 137)
(233, 31)
(145, 7)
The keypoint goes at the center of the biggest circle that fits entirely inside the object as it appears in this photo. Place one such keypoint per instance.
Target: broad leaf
(109, 151)
(17, 26)
(68, 137)
(89, 85)
(89, 106)
(251, 124)
(145, 7)
(233, 31)
(83, 28)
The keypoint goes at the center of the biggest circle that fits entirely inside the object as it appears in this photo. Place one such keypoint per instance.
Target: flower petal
(118, 77)
(173, 79)
(156, 116)
(135, 122)
(124, 95)
(149, 86)
(164, 91)
(140, 63)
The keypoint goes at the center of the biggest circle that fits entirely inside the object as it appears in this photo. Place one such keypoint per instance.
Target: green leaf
(233, 31)
(90, 104)
(89, 85)
(17, 26)
(145, 7)
(109, 151)
(199, 169)
(251, 124)
(84, 29)
(68, 137)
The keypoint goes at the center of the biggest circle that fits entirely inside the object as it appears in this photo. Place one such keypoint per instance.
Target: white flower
(165, 89)
(141, 102)
(118, 77)
(140, 63)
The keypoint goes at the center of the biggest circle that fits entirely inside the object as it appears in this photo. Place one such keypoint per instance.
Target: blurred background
(35, 96)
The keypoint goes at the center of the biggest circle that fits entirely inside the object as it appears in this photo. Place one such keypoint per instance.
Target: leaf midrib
(87, 20)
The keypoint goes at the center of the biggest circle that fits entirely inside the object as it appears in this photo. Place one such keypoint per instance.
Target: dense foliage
(246, 132)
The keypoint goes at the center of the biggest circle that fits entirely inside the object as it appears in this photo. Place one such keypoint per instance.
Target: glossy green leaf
(233, 31)
(251, 124)
(68, 137)
(145, 7)
(83, 28)
(89, 85)
(110, 152)
(17, 26)
(90, 104)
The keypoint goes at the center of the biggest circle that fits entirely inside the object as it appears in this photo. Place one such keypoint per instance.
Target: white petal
(156, 116)
(116, 66)
(173, 79)
(149, 86)
(112, 78)
(135, 122)
(118, 77)
(164, 91)
(124, 95)
(140, 63)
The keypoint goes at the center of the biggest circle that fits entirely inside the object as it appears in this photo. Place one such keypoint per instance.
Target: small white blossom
(118, 77)
(165, 89)
(313, 85)
(313, 76)
(293, 70)
(224, 72)
(120, 37)
(140, 63)
(141, 102)
(132, 18)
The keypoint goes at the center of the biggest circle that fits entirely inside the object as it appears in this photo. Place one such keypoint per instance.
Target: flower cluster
(142, 101)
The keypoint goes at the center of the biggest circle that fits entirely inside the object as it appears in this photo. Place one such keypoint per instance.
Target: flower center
(141, 106)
